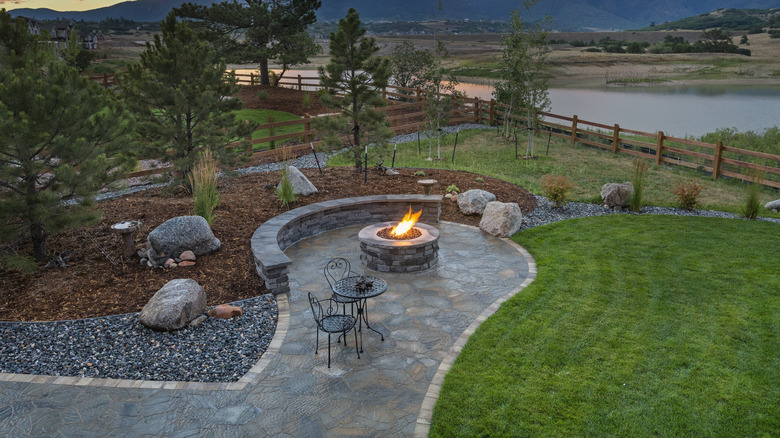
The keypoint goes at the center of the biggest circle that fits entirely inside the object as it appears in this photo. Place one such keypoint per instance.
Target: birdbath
(427, 184)
(126, 230)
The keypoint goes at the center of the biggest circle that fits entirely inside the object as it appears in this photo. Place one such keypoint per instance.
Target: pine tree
(353, 80)
(61, 140)
(181, 95)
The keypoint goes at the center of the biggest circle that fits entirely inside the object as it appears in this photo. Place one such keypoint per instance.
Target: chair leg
(356, 343)
(328, 349)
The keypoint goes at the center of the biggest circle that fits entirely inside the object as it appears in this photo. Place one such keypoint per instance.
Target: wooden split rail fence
(406, 113)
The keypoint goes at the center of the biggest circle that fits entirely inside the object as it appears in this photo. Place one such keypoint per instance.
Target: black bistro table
(346, 288)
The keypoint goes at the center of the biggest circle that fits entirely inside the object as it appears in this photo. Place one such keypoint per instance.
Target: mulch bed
(92, 285)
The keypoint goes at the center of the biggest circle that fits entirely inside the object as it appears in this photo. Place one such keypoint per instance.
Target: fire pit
(407, 246)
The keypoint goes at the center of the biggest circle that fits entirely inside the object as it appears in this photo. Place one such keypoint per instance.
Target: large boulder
(501, 219)
(474, 201)
(300, 184)
(617, 195)
(174, 306)
(183, 233)
(773, 205)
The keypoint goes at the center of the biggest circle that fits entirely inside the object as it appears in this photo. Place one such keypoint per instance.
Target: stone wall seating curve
(277, 234)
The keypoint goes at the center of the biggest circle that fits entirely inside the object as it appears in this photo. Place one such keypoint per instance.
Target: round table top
(346, 287)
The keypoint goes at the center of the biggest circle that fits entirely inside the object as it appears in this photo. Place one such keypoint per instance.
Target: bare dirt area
(281, 99)
(91, 285)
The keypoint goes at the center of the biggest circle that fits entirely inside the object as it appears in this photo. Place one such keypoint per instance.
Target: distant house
(33, 25)
(89, 41)
(60, 30)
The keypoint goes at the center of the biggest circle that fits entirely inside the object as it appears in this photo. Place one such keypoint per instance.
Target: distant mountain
(566, 14)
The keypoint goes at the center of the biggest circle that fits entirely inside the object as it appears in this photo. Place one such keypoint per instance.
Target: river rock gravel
(119, 347)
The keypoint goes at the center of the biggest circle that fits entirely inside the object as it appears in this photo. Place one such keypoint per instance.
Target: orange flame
(407, 223)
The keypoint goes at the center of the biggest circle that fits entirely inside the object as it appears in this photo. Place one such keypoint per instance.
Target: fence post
(251, 78)
(307, 128)
(300, 84)
(718, 157)
(492, 111)
(418, 94)
(574, 129)
(105, 80)
(384, 94)
(659, 147)
(615, 138)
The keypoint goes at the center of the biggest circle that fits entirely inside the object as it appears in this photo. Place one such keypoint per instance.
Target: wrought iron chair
(335, 270)
(330, 321)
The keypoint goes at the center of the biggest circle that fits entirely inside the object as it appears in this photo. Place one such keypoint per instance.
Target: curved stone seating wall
(275, 235)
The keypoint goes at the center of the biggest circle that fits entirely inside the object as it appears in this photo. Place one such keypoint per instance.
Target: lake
(679, 111)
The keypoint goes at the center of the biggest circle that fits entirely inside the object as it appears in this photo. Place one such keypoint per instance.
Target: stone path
(426, 318)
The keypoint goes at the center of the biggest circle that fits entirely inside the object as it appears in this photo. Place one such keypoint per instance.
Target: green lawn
(262, 116)
(635, 326)
(485, 152)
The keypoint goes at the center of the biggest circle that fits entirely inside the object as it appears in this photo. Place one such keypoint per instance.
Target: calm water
(678, 111)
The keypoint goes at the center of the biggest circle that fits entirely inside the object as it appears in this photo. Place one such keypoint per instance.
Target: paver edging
(423, 426)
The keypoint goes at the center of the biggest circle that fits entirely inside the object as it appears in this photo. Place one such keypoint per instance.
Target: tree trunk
(264, 79)
(38, 236)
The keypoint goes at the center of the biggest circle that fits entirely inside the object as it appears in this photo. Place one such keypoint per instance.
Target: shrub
(419, 173)
(479, 180)
(752, 201)
(638, 180)
(452, 188)
(556, 188)
(306, 101)
(262, 94)
(687, 194)
(203, 180)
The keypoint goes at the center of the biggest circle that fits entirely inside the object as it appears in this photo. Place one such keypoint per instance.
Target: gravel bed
(546, 212)
(119, 347)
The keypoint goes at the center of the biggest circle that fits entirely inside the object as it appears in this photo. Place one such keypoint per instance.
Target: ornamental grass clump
(203, 180)
(638, 181)
(752, 201)
(687, 194)
(556, 188)
(284, 191)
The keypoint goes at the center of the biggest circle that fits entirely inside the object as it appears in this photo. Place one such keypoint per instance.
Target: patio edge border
(423, 425)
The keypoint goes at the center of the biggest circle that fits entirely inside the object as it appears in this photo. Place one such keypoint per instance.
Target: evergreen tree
(62, 139)
(254, 30)
(353, 80)
(523, 84)
(180, 93)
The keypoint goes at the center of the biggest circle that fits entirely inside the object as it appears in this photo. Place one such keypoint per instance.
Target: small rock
(773, 205)
(448, 196)
(391, 172)
(197, 321)
(617, 195)
(185, 263)
(170, 263)
(225, 311)
(300, 184)
(188, 256)
(142, 253)
(144, 262)
(474, 201)
(174, 306)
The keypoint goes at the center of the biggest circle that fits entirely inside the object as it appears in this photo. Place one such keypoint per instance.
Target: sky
(58, 5)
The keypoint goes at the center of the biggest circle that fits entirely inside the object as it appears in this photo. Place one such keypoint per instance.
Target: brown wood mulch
(92, 286)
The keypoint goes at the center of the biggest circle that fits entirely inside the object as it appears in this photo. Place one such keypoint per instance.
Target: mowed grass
(635, 326)
(487, 153)
(262, 117)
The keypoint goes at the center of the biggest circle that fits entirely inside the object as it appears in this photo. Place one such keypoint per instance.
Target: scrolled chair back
(336, 269)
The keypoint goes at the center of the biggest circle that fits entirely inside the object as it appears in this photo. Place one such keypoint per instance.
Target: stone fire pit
(405, 255)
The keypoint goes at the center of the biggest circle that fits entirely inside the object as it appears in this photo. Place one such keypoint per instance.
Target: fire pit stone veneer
(403, 255)
(275, 235)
